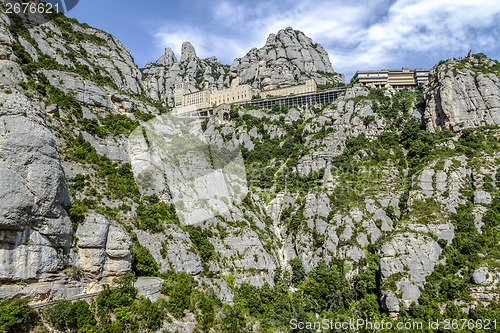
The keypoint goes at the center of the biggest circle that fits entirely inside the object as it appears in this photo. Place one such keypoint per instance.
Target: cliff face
(35, 227)
(463, 94)
(54, 78)
(357, 181)
(288, 58)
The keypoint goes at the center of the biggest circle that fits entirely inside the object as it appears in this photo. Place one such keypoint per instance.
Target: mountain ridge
(287, 58)
(354, 208)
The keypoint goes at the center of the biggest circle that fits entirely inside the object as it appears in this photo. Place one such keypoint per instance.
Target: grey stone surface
(188, 52)
(480, 275)
(178, 255)
(416, 254)
(36, 237)
(389, 301)
(482, 197)
(168, 58)
(33, 194)
(286, 56)
(115, 148)
(56, 286)
(461, 98)
(103, 248)
(160, 77)
(148, 287)
(93, 232)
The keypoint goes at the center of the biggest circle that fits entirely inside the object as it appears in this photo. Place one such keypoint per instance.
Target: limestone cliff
(288, 58)
(53, 76)
(358, 182)
(463, 94)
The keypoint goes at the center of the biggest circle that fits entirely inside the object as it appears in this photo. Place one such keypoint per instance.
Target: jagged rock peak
(168, 58)
(288, 57)
(213, 59)
(187, 52)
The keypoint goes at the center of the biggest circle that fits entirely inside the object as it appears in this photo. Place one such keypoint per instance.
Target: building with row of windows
(235, 94)
(309, 86)
(398, 79)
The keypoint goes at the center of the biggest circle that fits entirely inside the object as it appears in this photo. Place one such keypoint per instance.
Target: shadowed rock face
(462, 94)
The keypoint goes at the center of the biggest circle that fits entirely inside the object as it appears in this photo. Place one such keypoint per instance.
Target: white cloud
(229, 14)
(356, 34)
(206, 45)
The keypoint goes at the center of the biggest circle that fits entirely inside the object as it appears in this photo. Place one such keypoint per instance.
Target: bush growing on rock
(143, 262)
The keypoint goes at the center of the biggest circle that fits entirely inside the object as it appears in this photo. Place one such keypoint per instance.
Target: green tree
(84, 317)
(298, 271)
(61, 316)
(143, 263)
(14, 315)
(178, 288)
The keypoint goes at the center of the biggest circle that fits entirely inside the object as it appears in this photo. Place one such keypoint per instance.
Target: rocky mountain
(380, 204)
(160, 77)
(288, 58)
(463, 94)
(56, 79)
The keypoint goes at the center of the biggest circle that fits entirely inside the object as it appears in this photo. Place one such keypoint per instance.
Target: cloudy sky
(358, 34)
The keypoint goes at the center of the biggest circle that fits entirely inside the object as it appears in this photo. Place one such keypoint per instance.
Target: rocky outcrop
(188, 52)
(338, 213)
(463, 94)
(288, 58)
(37, 240)
(486, 286)
(168, 58)
(160, 77)
(35, 229)
(103, 248)
(176, 254)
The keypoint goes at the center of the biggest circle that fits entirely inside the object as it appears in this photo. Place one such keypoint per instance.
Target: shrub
(178, 287)
(111, 298)
(14, 316)
(200, 238)
(61, 316)
(298, 272)
(152, 216)
(120, 178)
(143, 263)
(76, 215)
(83, 315)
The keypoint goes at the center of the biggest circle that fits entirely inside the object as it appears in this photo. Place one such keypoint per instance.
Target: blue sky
(357, 34)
